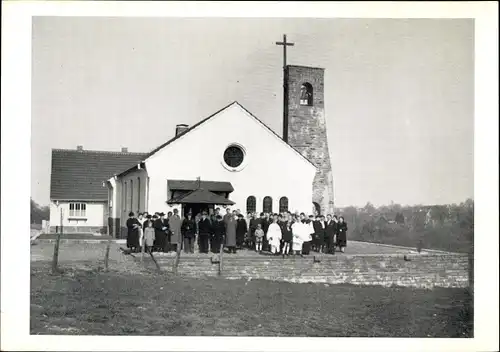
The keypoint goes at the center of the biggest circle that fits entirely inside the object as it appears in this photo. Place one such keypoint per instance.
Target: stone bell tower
(304, 128)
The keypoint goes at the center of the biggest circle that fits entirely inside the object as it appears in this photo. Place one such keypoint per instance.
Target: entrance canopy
(201, 196)
(191, 185)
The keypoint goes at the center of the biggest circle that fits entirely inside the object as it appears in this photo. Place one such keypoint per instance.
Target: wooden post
(221, 251)
(55, 258)
(106, 255)
(154, 260)
(178, 254)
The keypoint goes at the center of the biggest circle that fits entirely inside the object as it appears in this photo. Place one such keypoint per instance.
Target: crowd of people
(280, 234)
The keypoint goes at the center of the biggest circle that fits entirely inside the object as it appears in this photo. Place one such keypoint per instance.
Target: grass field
(119, 303)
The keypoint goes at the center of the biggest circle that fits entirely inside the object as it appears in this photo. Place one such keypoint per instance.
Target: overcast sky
(399, 94)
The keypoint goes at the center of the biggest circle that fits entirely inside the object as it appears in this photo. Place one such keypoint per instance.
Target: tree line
(39, 213)
(447, 227)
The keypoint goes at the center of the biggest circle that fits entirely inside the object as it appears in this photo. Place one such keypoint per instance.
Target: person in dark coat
(231, 226)
(322, 234)
(204, 232)
(219, 233)
(316, 243)
(306, 247)
(161, 229)
(241, 230)
(254, 223)
(264, 223)
(188, 229)
(133, 226)
(331, 228)
(342, 234)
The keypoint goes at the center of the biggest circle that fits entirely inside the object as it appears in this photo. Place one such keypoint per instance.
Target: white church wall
(132, 194)
(270, 168)
(91, 220)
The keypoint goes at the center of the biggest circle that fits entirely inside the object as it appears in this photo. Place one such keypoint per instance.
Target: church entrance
(196, 208)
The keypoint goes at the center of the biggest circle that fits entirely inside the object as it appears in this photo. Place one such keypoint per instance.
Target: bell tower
(304, 128)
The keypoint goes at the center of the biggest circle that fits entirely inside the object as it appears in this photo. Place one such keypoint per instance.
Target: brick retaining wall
(422, 271)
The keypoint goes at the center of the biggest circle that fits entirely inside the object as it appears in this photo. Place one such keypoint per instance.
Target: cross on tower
(285, 88)
(285, 44)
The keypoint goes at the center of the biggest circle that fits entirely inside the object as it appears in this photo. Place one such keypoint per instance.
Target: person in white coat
(142, 220)
(298, 236)
(274, 235)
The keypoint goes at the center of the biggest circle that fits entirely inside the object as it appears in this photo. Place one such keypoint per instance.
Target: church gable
(231, 124)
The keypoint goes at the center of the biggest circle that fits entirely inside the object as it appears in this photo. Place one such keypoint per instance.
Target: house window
(306, 94)
(283, 204)
(77, 210)
(251, 204)
(267, 206)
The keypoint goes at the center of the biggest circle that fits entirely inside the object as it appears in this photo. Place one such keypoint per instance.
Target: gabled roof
(189, 185)
(154, 151)
(78, 175)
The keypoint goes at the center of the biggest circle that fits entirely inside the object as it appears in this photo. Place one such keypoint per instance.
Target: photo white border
(16, 171)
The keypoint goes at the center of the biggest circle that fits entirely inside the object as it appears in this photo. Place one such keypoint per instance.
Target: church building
(228, 159)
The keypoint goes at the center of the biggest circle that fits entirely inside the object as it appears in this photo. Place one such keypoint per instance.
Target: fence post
(106, 255)
(221, 252)
(178, 253)
(55, 258)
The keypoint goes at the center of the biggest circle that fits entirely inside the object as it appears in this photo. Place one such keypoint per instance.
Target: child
(149, 235)
(259, 236)
(297, 232)
(274, 235)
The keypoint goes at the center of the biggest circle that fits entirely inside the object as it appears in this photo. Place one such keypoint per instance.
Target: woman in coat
(219, 232)
(241, 230)
(188, 230)
(231, 225)
(133, 226)
(342, 234)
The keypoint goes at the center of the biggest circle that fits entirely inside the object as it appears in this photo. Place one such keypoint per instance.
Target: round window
(233, 156)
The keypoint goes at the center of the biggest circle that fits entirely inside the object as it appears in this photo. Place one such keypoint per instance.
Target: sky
(399, 93)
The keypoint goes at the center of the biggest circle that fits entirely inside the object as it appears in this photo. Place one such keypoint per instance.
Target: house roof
(190, 185)
(78, 175)
(157, 149)
(201, 196)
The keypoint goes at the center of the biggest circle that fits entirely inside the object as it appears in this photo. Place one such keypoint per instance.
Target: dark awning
(201, 196)
(191, 185)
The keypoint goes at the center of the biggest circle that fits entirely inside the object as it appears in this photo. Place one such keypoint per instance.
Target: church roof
(201, 196)
(79, 174)
(154, 151)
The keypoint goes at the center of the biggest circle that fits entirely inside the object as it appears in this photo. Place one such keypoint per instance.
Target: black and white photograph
(251, 176)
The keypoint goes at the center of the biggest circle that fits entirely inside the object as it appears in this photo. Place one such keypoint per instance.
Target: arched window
(306, 94)
(267, 206)
(251, 204)
(283, 204)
